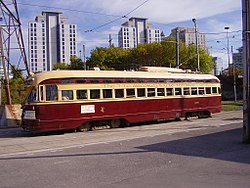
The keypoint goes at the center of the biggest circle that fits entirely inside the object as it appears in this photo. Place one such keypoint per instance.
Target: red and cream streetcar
(85, 99)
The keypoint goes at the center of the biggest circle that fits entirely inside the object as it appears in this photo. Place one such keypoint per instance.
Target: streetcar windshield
(32, 96)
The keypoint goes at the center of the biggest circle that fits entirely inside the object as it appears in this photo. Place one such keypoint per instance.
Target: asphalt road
(195, 153)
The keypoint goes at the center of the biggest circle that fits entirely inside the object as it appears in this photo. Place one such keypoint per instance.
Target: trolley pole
(246, 60)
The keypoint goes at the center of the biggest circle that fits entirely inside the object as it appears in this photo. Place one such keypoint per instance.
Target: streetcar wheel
(200, 115)
(84, 127)
(115, 123)
(204, 114)
(124, 123)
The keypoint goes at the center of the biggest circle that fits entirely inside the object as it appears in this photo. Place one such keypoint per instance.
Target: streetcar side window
(194, 91)
(170, 91)
(67, 95)
(186, 91)
(95, 94)
(51, 93)
(201, 91)
(177, 91)
(151, 92)
(141, 92)
(81, 94)
(214, 90)
(119, 93)
(107, 93)
(160, 92)
(208, 90)
(130, 93)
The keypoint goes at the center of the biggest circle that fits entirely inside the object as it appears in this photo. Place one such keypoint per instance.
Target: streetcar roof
(61, 74)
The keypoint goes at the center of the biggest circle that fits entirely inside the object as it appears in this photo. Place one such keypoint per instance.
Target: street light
(196, 43)
(228, 53)
(233, 66)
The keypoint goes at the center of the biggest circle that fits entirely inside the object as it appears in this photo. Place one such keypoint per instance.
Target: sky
(96, 19)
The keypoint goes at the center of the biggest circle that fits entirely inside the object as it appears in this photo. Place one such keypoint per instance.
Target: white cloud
(88, 14)
(91, 13)
(163, 11)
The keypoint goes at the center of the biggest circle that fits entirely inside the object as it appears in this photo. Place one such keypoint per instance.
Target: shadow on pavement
(225, 145)
(18, 133)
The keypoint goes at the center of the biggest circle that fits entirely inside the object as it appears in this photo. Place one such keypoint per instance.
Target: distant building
(218, 65)
(51, 40)
(137, 31)
(2, 73)
(238, 58)
(187, 35)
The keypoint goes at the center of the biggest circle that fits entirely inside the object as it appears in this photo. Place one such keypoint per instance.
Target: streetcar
(82, 100)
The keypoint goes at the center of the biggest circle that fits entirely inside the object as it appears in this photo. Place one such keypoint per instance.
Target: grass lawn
(231, 105)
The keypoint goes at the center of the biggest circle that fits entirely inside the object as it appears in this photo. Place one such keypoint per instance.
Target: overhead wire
(112, 21)
(117, 17)
(121, 17)
(136, 8)
(223, 32)
(66, 9)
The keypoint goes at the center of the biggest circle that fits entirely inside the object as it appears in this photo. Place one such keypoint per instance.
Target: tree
(108, 58)
(234, 70)
(138, 56)
(17, 73)
(97, 58)
(17, 87)
(206, 61)
(76, 63)
(169, 52)
(153, 54)
(61, 66)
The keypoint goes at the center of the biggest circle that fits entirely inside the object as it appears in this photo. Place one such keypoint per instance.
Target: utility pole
(246, 60)
(84, 56)
(234, 76)
(177, 48)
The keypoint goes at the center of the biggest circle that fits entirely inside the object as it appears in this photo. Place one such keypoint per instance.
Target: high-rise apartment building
(188, 36)
(51, 40)
(137, 31)
(218, 65)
